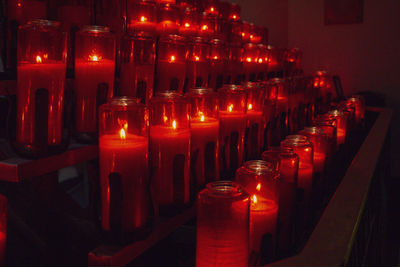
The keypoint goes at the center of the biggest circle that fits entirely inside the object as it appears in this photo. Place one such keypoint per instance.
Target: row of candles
(184, 142)
(180, 64)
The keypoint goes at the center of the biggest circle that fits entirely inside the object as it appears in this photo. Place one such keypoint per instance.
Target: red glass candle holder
(222, 226)
(198, 64)
(217, 59)
(211, 7)
(40, 88)
(124, 169)
(94, 77)
(207, 24)
(260, 180)
(250, 61)
(232, 127)
(262, 62)
(112, 14)
(171, 64)
(304, 149)
(233, 64)
(168, 17)
(270, 114)
(341, 125)
(24, 11)
(3, 228)
(328, 125)
(141, 16)
(204, 129)
(246, 30)
(137, 66)
(275, 61)
(359, 107)
(235, 28)
(349, 109)
(170, 151)
(317, 137)
(282, 106)
(189, 22)
(286, 162)
(234, 12)
(255, 120)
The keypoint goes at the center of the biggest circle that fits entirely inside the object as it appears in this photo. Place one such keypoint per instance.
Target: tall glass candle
(94, 76)
(170, 151)
(260, 180)
(360, 107)
(40, 87)
(286, 162)
(250, 61)
(3, 228)
(233, 64)
(341, 125)
(207, 24)
(124, 172)
(275, 62)
(141, 16)
(189, 22)
(171, 64)
(204, 127)
(280, 86)
(168, 18)
(217, 58)
(255, 120)
(319, 140)
(304, 149)
(270, 114)
(222, 226)
(137, 66)
(328, 125)
(262, 62)
(198, 64)
(232, 127)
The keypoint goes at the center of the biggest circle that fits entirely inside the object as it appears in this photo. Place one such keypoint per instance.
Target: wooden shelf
(114, 256)
(16, 169)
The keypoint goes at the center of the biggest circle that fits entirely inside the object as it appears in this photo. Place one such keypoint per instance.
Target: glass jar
(286, 162)
(198, 63)
(234, 64)
(328, 125)
(171, 64)
(222, 226)
(317, 137)
(208, 24)
(170, 151)
(141, 16)
(137, 66)
(359, 103)
(189, 25)
(124, 169)
(275, 62)
(232, 127)
(40, 88)
(255, 120)
(341, 125)
(168, 17)
(217, 59)
(94, 78)
(262, 62)
(260, 180)
(250, 61)
(204, 129)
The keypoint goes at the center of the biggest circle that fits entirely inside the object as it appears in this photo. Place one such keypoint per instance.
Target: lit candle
(170, 151)
(217, 64)
(171, 65)
(40, 87)
(340, 124)
(141, 16)
(204, 129)
(124, 172)
(259, 179)
(189, 24)
(94, 75)
(198, 64)
(168, 18)
(250, 61)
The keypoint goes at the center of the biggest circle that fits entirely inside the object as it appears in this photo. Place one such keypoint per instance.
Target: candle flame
(122, 134)
(254, 199)
(260, 60)
(307, 149)
(187, 25)
(19, 4)
(172, 59)
(230, 108)
(174, 124)
(197, 58)
(125, 125)
(250, 107)
(165, 118)
(38, 59)
(94, 58)
(202, 118)
(143, 18)
(45, 56)
(248, 59)
(234, 17)
(243, 34)
(258, 187)
(215, 57)
(212, 9)
(204, 27)
(251, 36)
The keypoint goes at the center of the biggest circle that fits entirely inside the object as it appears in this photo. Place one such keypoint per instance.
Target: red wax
(88, 75)
(167, 72)
(165, 144)
(167, 27)
(319, 161)
(230, 122)
(195, 70)
(202, 133)
(31, 77)
(263, 218)
(217, 68)
(132, 75)
(255, 140)
(305, 179)
(146, 26)
(129, 158)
